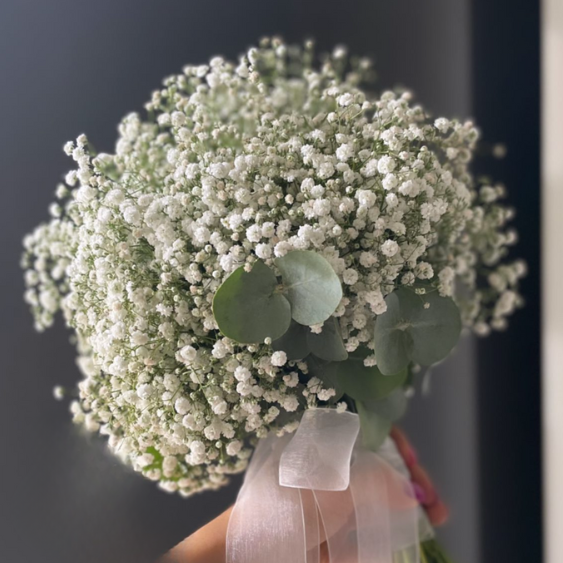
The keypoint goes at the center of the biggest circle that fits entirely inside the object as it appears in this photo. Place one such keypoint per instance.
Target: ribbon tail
(368, 485)
(267, 520)
(386, 511)
(391, 455)
(337, 516)
(311, 526)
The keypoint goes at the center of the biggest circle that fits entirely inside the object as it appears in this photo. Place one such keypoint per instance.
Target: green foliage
(432, 552)
(377, 417)
(417, 328)
(366, 383)
(248, 307)
(375, 428)
(252, 306)
(293, 342)
(327, 372)
(311, 285)
(298, 342)
(380, 399)
(328, 345)
(392, 407)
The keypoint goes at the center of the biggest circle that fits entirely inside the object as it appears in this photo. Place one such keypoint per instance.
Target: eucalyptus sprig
(252, 306)
(418, 327)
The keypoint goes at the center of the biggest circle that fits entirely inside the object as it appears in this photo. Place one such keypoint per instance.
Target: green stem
(432, 552)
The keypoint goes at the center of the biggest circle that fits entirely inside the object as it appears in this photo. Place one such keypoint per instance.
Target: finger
(425, 491)
(404, 446)
(436, 510)
(438, 513)
(324, 557)
(428, 492)
(207, 544)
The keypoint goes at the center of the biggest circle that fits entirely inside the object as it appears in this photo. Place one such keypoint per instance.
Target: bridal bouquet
(269, 244)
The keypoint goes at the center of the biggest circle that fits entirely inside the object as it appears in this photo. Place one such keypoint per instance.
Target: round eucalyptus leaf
(311, 285)
(328, 344)
(247, 307)
(293, 342)
(418, 328)
(435, 330)
(366, 383)
(374, 427)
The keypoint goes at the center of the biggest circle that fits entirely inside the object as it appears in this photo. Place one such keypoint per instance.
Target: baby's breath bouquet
(269, 238)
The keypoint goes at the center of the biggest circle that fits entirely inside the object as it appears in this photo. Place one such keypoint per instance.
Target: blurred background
(69, 67)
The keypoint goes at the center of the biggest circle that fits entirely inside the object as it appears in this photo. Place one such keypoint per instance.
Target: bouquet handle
(320, 486)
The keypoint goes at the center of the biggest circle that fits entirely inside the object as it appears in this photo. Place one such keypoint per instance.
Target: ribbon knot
(318, 457)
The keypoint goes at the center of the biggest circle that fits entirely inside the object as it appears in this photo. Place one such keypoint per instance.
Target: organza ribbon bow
(320, 485)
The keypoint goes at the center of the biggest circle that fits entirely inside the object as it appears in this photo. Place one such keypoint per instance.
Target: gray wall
(68, 67)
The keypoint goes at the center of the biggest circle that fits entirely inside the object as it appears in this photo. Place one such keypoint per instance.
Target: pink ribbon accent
(318, 486)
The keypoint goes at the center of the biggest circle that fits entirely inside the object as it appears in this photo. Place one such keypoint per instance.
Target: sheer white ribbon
(318, 486)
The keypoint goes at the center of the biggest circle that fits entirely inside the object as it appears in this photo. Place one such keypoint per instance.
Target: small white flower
(326, 170)
(242, 374)
(290, 404)
(389, 248)
(169, 464)
(188, 354)
(345, 99)
(390, 182)
(145, 391)
(326, 394)
(345, 152)
(391, 200)
(370, 168)
(341, 407)
(254, 233)
(350, 276)
(182, 405)
(234, 447)
(385, 165)
(291, 380)
(424, 271)
(442, 124)
(366, 198)
(264, 251)
(144, 460)
(279, 358)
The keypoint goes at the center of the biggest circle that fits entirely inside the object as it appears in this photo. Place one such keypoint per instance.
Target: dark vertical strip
(506, 83)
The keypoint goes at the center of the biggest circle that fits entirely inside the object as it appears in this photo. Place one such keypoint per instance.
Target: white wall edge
(552, 275)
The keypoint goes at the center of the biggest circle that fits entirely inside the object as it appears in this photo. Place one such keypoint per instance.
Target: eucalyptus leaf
(294, 342)
(328, 344)
(311, 285)
(435, 329)
(418, 328)
(374, 427)
(392, 407)
(366, 383)
(392, 345)
(248, 308)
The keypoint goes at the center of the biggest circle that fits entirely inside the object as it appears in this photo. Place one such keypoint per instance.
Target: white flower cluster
(236, 163)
